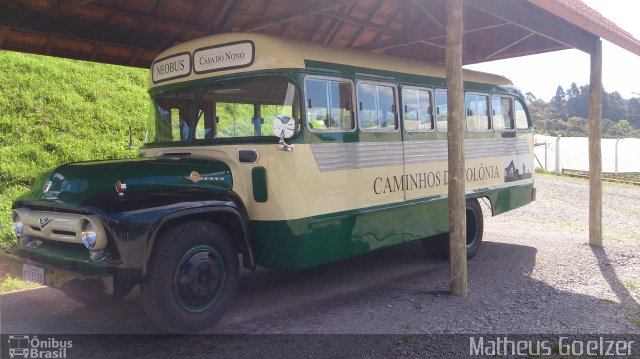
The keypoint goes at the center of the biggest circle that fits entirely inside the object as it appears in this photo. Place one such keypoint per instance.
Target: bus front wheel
(438, 246)
(193, 277)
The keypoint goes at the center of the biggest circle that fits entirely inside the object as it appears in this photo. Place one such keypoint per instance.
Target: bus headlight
(17, 225)
(89, 236)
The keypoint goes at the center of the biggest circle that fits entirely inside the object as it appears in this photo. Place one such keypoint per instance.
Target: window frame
(395, 100)
(353, 101)
(435, 108)
(489, 110)
(432, 100)
(510, 98)
(525, 109)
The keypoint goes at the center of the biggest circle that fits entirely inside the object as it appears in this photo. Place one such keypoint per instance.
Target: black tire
(192, 278)
(438, 246)
(91, 292)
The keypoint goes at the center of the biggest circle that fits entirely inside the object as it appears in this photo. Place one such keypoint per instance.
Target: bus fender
(207, 213)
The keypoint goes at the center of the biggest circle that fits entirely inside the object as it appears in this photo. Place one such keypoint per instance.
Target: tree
(633, 110)
(614, 107)
(573, 101)
(559, 105)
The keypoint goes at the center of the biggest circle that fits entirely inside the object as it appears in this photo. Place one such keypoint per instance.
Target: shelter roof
(134, 32)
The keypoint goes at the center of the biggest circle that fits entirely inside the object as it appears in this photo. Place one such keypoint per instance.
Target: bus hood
(73, 183)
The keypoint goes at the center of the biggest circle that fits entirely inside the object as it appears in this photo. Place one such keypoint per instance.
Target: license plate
(33, 273)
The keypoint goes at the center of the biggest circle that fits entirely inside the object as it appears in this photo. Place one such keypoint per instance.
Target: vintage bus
(268, 152)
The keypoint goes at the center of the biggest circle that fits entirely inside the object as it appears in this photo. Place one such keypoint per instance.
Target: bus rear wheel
(438, 246)
(193, 277)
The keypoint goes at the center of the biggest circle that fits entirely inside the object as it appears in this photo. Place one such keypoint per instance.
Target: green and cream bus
(268, 152)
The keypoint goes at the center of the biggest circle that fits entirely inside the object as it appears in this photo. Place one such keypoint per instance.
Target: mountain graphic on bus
(511, 173)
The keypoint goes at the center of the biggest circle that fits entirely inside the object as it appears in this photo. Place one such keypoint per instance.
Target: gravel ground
(535, 274)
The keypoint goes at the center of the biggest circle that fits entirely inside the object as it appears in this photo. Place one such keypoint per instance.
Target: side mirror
(284, 126)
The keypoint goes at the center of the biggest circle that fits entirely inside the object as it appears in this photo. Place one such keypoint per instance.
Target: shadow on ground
(501, 290)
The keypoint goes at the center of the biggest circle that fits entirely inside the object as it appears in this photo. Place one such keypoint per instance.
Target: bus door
(380, 162)
(424, 113)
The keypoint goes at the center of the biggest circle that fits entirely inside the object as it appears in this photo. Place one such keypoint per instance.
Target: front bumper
(12, 263)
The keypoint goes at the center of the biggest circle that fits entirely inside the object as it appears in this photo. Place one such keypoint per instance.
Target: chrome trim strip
(350, 155)
(354, 155)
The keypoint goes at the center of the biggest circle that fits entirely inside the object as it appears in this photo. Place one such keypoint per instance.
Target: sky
(541, 74)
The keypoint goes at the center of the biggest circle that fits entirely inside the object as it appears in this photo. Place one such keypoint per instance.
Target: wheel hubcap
(199, 278)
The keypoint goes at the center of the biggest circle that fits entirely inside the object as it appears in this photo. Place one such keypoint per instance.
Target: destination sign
(223, 57)
(171, 67)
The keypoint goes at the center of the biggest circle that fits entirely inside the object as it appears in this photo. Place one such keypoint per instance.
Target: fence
(572, 153)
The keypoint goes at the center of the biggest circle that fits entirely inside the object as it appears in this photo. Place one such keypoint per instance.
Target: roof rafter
(4, 32)
(68, 5)
(369, 18)
(302, 11)
(361, 22)
(520, 14)
(388, 23)
(398, 42)
(338, 25)
(223, 17)
(510, 45)
(422, 6)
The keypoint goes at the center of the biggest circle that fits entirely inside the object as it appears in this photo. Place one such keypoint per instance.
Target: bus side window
(387, 108)
(477, 112)
(340, 100)
(509, 121)
(502, 110)
(329, 105)
(497, 113)
(377, 107)
(441, 110)
(522, 123)
(417, 110)
(317, 101)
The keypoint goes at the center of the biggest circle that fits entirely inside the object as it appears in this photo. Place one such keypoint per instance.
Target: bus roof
(229, 53)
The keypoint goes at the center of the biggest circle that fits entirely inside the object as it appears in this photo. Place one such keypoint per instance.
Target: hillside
(54, 111)
(567, 113)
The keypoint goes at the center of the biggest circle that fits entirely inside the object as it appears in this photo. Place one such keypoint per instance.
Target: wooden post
(595, 154)
(455, 143)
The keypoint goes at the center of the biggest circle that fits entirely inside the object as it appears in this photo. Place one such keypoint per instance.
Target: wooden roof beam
(68, 5)
(429, 41)
(142, 21)
(536, 20)
(388, 23)
(223, 16)
(512, 44)
(30, 20)
(134, 58)
(338, 26)
(50, 42)
(4, 32)
(422, 6)
(304, 10)
(369, 18)
(467, 60)
(314, 28)
(365, 23)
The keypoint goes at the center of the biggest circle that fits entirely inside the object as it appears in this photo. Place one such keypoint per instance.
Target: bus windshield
(247, 108)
